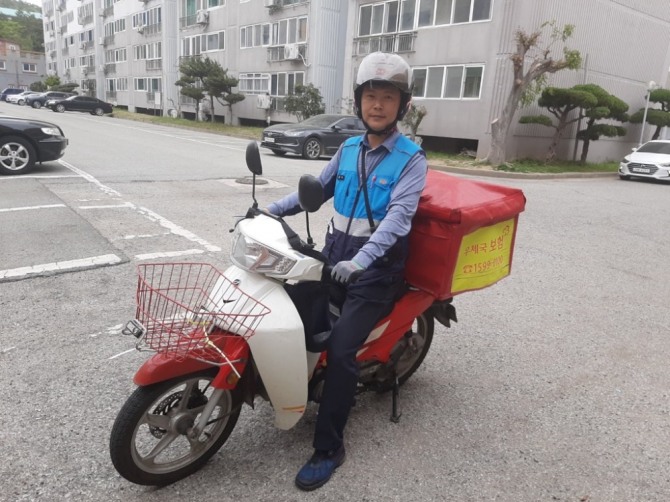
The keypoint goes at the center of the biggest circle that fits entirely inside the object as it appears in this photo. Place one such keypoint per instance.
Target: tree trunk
(211, 107)
(657, 133)
(585, 150)
(500, 128)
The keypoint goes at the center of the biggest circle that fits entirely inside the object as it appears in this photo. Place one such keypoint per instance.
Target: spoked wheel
(419, 344)
(17, 156)
(312, 149)
(150, 442)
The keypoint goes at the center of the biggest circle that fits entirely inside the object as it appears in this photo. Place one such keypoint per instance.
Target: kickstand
(395, 414)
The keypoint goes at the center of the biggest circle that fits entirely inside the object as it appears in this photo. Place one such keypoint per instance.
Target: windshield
(655, 148)
(319, 121)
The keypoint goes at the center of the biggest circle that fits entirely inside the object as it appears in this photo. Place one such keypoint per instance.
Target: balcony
(85, 19)
(110, 68)
(275, 6)
(150, 29)
(86, 46)
(107, 11)
(65, 50)
(392, 42)
(108, 40)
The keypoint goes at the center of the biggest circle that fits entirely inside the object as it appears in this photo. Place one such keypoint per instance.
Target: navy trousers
(367, 301)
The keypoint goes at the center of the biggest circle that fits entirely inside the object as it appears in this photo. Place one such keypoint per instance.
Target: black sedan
(94, 106)
(24, 142)
(314, 137)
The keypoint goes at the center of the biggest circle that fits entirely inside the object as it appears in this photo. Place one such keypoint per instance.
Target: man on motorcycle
(376, 181)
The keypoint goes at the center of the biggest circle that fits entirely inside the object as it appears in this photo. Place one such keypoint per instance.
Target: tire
(312, 149)
(17, 155)
(413, 357)
(59, 108)
(134, 439)
(21, 102)
(98, 111)
(37, 105)
(279, 153)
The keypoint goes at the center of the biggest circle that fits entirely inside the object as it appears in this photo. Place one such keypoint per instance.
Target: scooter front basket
(190, 309)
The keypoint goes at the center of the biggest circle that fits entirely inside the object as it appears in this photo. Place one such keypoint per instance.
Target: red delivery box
(462, 236)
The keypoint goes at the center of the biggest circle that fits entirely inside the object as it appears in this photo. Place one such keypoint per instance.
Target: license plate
(269, 140)
(640, 170)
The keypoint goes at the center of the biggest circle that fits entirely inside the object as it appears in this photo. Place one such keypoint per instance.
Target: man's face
(379, 105)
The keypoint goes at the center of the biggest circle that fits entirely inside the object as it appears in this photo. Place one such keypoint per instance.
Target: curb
(526, 176)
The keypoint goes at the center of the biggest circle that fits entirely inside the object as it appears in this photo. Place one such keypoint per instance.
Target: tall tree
(560, 103)
(195, 72)
(220, 85)
(530, 63)
(609, 108)
(656, 117)
(305, 102)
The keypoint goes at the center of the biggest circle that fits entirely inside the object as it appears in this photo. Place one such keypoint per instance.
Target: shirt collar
(388, 143)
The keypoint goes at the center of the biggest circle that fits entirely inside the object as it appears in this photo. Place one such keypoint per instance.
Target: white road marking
(108, 259)
(37, 176)
(147, 213)
(89, 178)
(4, 351)
(142, 236)
(168, 254)
(112, 330)
(122, 353)
(110, 206)
(28, 208)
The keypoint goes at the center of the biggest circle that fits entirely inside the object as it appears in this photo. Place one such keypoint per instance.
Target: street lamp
(650, 87)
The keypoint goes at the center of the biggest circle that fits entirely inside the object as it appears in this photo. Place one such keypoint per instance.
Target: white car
(651, 160)
(19, 99)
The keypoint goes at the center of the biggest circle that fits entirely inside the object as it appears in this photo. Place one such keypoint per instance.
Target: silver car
(651, 160)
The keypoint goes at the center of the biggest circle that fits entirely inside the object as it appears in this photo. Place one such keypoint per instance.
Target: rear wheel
(37, 105)
(60, 108)
(17, 156)
(418, 347)
(98, 111)
(149, 443)
(312, 149)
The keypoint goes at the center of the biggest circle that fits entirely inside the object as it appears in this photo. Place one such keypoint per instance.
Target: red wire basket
(190, 309)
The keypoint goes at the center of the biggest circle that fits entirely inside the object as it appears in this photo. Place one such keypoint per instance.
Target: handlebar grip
(327, 276)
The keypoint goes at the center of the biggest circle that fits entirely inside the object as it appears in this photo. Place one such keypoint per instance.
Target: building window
(208, 42)
(2, 65)
(148, 84)
(254, 83)
(407, 15)
(448, 82)
(283, 84)
(30, 67)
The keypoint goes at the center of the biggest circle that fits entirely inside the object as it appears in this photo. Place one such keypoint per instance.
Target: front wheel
(37, 105)
(17, 155)
(60, 108)
(149, 443)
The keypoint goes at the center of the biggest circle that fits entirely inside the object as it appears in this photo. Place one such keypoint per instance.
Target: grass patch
(535, 166)
(455, 160)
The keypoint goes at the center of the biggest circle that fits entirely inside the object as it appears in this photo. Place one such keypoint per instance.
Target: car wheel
(312, 149)
(17, 156)
(98, 111)
(624, 177)
(37, 105)
(59, 108)
(279, 153)
(21, 102)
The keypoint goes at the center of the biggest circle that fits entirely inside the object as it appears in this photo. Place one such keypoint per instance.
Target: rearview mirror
(254, 159)
(336, 128)
(310, 193)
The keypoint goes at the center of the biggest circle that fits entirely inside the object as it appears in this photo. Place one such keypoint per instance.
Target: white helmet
(388, 69)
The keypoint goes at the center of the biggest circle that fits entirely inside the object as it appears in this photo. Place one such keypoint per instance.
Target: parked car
(24, 142)
(38, 100)
(94, 106)
(651, 160)
(19, 99)
(8, 92)
(314, 137)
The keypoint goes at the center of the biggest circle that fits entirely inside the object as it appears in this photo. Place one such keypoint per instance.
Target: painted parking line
(36, 176)
(61, 266)
(168, 254)
(30, 208)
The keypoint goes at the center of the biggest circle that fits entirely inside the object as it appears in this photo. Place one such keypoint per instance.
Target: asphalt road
(552, 385)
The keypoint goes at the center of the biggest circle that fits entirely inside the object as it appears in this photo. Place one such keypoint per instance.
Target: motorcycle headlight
(255, 257)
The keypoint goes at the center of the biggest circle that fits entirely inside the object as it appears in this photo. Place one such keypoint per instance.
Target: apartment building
(19, 68)
(128, 52)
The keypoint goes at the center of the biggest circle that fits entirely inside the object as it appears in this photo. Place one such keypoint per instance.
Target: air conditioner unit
(291, 51)
(101, 41)
(263, 101)
(202, 17)
(140, 29)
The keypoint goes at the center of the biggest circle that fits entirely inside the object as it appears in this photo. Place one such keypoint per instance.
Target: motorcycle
(221, 339)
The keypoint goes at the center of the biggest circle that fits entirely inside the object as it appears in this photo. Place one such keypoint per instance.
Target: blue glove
(342, 271)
